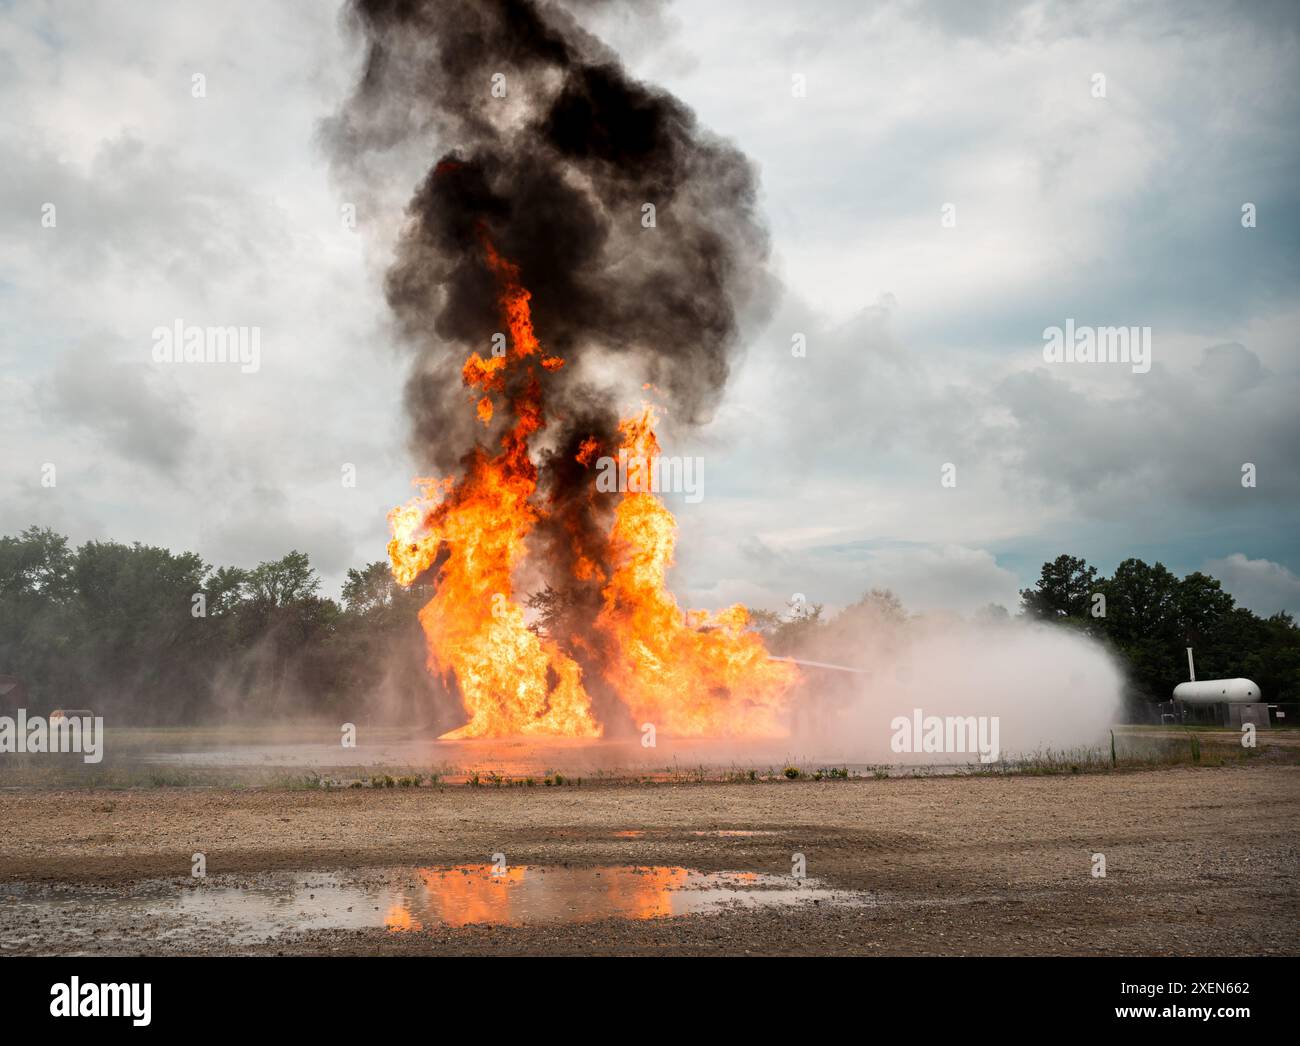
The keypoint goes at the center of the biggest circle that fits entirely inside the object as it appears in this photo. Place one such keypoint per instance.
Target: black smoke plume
(557, 169)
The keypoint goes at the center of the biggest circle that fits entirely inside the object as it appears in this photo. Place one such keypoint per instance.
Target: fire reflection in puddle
(404, 900)
(523, 894)
(230, 912)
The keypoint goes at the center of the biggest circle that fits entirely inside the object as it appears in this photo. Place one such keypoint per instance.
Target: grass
(1149, 753)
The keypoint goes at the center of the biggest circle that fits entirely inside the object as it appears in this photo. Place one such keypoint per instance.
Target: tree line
(1148, 616)
(144, 634)
(148, 635)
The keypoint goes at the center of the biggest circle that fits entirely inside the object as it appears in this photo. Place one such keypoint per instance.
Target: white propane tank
(1216, 691)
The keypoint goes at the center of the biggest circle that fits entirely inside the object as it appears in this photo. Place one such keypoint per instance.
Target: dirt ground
(1199, 861)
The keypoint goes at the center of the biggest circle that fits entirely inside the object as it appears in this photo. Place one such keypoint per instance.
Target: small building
(1230, 714)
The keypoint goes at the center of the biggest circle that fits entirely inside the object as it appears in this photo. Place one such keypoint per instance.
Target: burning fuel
(537, 299)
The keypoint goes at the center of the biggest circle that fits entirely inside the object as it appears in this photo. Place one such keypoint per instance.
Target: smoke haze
(1049, 688)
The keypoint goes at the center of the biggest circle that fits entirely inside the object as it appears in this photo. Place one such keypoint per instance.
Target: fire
(691, 674)
(511, 681)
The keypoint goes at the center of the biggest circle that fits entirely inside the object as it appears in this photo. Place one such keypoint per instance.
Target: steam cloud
(1048, 688)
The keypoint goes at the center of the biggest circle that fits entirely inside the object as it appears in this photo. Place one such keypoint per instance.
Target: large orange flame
(511, 681)
(690, 674)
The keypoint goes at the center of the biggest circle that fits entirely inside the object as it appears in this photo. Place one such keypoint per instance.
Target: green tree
(369, 589)
(282, 582)
(1202, 608)
(37, 561)
(38, 621)
(1141, 625)
(1064, 589)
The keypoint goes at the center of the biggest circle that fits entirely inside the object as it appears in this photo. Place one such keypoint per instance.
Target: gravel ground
(1199, 861)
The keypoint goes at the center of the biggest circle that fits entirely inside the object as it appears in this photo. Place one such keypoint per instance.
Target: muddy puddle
(400, 900)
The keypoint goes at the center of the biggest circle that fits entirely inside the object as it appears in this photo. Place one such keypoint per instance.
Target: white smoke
(1040, 687)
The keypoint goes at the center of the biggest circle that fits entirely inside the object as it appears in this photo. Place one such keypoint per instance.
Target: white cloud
(822, 473)
(1258, 584)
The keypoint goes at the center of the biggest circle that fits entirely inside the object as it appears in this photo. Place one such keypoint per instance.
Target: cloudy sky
(823, 472)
